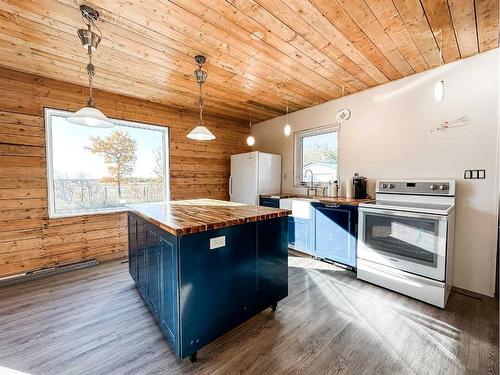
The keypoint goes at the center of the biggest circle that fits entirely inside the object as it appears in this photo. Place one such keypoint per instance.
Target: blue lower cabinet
(132, 240)
(335, 232)
(196, 293)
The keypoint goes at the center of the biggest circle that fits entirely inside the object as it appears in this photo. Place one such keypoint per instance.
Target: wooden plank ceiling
(262, 54)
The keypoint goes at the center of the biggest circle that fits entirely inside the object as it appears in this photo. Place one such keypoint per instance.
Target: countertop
(198, 215)
(338, 200)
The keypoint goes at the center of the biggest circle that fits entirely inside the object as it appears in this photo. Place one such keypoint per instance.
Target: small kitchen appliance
(359, 183)
(406, 238)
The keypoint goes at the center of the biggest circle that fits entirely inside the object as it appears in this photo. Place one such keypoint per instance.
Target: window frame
(298, 138)
(49, 113)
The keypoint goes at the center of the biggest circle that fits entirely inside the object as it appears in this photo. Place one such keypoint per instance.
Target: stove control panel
(414, 187)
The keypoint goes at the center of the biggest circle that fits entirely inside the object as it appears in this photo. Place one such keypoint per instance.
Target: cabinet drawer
(269, 202)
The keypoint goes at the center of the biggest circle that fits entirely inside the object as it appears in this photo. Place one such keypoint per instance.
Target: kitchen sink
(301, 207)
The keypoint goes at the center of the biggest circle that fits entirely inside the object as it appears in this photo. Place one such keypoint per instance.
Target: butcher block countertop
(199, 215)
(320, 198)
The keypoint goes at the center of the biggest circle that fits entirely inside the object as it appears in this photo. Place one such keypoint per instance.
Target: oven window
(410, 239)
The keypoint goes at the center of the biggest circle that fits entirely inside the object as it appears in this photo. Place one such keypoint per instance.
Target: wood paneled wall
(29, 240)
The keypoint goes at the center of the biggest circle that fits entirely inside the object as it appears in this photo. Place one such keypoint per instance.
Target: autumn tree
(118, 150)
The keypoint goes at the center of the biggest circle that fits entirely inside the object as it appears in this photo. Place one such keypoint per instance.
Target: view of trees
(320, 152)
(118, 151)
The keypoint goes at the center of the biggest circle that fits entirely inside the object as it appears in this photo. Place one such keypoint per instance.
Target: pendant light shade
(250, 140)
(287, 129)
(201, 133)
(439, 91)
(90, 116)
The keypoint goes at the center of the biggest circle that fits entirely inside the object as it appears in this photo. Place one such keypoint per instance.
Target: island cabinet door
(169, 316)
(142, 270)
(272, 261)
(153, 262)
(132, 246)
(218, 274)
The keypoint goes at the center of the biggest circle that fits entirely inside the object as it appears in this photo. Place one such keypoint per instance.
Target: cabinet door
(168, 293)
(218, 285)
(272, 261)
(153, 269)
(335, 233)
(142, 269)
(299, 234)
(132, 246)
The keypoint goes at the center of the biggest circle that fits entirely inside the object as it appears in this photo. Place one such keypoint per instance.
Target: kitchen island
(204, 266)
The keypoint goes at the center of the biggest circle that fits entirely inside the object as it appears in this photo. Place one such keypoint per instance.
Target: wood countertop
(320, 198)
(198, 215)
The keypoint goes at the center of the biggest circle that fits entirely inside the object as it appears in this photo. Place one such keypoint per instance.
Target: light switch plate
(217, 242)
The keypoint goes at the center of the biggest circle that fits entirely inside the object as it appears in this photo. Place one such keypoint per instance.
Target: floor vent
(35, 275)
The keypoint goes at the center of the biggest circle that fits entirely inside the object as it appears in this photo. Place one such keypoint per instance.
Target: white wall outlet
(217, 242)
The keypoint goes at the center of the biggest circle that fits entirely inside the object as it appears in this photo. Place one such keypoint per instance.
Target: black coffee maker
(359, 183)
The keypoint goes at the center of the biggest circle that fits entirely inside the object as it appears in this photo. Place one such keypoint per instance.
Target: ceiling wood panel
(262, 55)
(463, 15)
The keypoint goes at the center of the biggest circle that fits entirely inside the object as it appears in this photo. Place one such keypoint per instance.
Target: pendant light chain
(91, 72)
(200, 84)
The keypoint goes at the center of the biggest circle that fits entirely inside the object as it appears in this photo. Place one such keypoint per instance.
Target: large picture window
(316, 151)
(96, 170)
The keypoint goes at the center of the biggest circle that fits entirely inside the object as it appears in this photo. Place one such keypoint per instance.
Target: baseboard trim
(46, 272)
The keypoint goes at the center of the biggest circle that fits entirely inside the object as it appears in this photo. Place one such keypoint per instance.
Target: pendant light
(287, 129)
(250, 138)
(439, 85)
(90, 115)
(200, 132)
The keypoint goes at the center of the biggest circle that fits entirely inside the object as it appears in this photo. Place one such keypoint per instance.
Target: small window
(96, 170)
(316, 151)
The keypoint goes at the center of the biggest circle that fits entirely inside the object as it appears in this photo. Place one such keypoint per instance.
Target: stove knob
(443, 187)
(384, 186)
(391, 186)
(433, 187)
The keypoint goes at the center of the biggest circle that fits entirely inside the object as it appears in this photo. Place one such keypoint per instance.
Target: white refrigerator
(252, 174)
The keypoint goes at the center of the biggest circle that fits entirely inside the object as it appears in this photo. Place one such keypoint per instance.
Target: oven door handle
(399, 213)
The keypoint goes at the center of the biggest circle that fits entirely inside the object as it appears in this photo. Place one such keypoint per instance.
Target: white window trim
(49, 112)
(298, 136)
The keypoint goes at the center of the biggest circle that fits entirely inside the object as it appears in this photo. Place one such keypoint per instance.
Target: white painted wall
(388, 136)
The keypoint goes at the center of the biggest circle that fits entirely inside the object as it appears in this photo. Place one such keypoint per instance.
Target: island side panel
(218, 286)
(272, 264)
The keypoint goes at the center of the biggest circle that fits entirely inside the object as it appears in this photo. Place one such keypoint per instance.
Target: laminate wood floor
(93, 321)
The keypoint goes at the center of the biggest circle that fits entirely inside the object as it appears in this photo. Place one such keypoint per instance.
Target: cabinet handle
(334, 205)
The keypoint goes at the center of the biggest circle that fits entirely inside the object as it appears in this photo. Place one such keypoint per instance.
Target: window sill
(54, 215)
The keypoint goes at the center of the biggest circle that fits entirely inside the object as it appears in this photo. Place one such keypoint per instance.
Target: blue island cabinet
(335, 232)
(195, 293)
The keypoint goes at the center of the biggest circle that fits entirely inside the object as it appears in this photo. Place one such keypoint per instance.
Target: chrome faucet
(309, 188)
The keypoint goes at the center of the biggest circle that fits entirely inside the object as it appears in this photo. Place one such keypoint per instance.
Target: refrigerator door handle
(230, 186)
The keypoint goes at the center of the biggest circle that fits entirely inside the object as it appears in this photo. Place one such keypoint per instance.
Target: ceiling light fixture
(251, 138)
(287, 129)
(200, 132)
(90, 115)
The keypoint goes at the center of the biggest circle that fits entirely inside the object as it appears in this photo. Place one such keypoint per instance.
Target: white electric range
(405, 238)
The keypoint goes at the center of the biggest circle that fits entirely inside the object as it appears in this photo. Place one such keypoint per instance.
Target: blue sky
(71, 158)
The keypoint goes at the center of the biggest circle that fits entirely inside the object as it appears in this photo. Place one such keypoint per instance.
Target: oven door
(414, 242)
